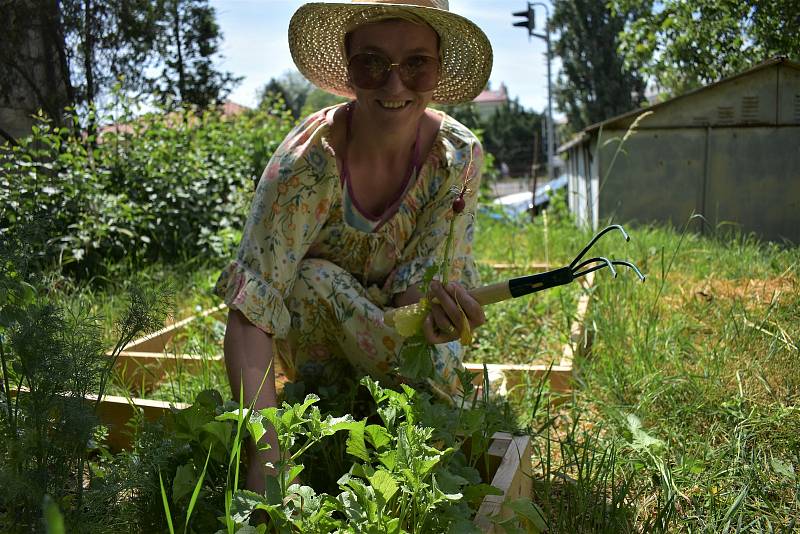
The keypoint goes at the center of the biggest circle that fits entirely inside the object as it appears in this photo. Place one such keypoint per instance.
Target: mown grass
(686, 413)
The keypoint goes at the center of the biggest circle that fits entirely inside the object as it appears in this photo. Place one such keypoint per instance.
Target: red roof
(487, 95)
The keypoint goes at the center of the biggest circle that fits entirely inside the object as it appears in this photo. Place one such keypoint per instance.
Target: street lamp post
(530, 24)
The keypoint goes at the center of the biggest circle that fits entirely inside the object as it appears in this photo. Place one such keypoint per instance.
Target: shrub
(157, 187)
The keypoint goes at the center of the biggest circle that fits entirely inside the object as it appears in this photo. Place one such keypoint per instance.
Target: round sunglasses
(371, 71)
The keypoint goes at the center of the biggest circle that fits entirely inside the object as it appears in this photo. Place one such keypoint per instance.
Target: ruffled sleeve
(464, 157)
(290, 206)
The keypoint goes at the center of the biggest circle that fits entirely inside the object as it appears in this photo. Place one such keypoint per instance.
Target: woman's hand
(445, 321)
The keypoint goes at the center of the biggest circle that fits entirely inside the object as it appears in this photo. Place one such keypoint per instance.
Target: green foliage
(594, 84)
(407, 474)
(510, 135)
(76, 52)
(158, 187)
(52, 357)
(684, 45)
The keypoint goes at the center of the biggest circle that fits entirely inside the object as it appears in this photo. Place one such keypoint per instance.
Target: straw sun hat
(317, 34)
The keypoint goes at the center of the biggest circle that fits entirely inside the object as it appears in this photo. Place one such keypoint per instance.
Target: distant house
(490, 100)
(729, 150)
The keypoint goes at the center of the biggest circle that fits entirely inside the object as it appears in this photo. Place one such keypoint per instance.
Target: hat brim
(316, 41)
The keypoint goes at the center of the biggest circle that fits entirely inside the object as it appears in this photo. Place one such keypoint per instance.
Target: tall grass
(686, 414)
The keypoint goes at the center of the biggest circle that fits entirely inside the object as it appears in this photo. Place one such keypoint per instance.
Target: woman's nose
(394, 83)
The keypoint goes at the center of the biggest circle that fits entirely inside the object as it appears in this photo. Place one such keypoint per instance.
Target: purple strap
(345, 174)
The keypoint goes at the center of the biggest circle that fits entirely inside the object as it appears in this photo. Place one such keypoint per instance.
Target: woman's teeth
(393, 104)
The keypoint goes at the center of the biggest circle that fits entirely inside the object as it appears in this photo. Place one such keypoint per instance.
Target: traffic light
(529, 21)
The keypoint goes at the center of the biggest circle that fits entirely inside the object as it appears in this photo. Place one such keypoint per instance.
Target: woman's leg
(248, 357)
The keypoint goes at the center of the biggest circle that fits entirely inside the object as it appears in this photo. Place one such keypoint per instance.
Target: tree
(60, 53)
(108, 42)
(510, 133)
(595, 84)
(318, 99)
(684, 45)
(189, 39)
(293, 88)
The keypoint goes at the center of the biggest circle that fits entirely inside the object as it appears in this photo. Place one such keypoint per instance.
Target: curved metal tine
(632, 266)
(605, 263)
(595, 238)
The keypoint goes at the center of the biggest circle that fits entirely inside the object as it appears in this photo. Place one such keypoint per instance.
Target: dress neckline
(344, 176)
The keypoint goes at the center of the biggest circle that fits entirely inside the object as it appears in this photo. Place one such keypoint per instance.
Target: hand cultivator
(525, 285)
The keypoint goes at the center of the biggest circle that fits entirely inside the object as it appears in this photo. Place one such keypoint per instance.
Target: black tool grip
(525, 285)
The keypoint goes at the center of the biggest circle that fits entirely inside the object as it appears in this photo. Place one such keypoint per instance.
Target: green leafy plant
(53, 358)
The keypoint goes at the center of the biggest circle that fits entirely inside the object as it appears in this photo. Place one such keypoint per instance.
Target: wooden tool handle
(491, 294)
(484, 295)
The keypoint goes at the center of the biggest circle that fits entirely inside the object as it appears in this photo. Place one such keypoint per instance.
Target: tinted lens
(371, 71)
(420, 73)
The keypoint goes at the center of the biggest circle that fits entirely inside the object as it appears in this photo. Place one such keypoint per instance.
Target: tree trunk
(88, 64)
(34, 74)
(176, 21)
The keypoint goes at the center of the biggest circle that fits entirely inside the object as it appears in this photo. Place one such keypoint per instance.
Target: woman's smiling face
(393, 104)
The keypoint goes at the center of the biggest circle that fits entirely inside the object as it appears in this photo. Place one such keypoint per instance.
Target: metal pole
(550, 126)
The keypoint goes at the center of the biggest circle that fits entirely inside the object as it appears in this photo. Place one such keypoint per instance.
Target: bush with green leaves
(163, 186)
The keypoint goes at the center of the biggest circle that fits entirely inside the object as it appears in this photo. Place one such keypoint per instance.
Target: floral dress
(308, 276)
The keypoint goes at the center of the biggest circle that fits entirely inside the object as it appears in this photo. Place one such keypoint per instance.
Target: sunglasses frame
(388, 70)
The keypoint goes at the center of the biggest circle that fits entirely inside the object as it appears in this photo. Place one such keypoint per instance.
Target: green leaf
(166, 504)
(196, 492)
(476, 492)
(415, 359)
(530, 512)
(641, 439)
(220, 431)
(384, 485)
(378, 436)
(785, 469)
(53, 520)
(355, 442)
(255, 425)
(183, 483)
(243, 503)
(462, 525)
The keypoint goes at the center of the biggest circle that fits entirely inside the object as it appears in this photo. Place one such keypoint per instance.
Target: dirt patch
(753, 292)
(759, 290)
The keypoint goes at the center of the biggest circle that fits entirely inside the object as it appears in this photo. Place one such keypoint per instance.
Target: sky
(255, 45)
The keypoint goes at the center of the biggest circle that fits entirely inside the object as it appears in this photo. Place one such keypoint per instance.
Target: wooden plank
(513, 478)
(576, 345)
(115, 412)
(144, 370)
(515, 374)
(157, 341)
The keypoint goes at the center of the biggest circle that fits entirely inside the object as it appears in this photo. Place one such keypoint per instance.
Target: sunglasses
(371, 71)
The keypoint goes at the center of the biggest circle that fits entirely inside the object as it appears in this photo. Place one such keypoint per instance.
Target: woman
(355, 204)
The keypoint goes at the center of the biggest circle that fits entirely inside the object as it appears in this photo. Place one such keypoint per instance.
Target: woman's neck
(374, 142)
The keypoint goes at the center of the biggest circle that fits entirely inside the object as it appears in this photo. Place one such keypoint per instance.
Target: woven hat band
(436, 4)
